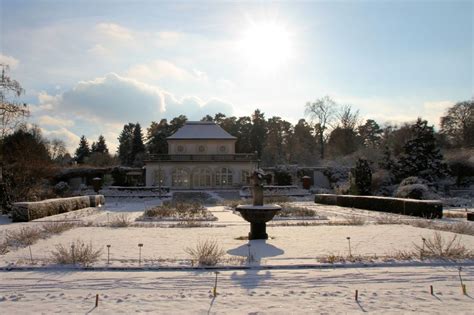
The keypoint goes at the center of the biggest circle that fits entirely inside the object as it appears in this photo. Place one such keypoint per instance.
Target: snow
(283, 275)
(381, 290)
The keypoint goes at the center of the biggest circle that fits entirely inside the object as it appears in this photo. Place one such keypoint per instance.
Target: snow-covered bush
(382, 183)
(120, 220)
(61, 189)
(414, 188)
(338, 177)
(23, 237)
(206, 253)
(439, 248)
(75, 253)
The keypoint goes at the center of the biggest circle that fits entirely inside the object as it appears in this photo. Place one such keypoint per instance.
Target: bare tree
(57, 149)
(458, 124)
(11, 111)
(321, 113)
(347, 118)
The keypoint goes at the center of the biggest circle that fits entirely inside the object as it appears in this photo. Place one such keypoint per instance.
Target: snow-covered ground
(386, 286)
(391, 290)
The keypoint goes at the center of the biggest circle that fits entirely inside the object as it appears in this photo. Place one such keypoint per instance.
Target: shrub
(23, 237)
(389, 219)
(75, 253)
(56, 227)
(120, 220)
(437, 247)
(3, 248)
(288, 210)
(355, 220)
(361, 178)
(61, 189)
(282, 177)
(179, 210)
(206, 253)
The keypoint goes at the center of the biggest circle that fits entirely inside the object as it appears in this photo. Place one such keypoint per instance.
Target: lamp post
(140, 253)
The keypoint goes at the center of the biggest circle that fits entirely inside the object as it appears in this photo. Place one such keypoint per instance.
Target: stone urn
(258, 214)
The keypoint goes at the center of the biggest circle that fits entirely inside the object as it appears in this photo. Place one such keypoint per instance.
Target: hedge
(413, 207)
(28, 211)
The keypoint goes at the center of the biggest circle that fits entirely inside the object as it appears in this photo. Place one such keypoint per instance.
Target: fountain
(258, 214)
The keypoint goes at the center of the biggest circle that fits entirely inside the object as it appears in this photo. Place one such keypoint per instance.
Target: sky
(89, 67)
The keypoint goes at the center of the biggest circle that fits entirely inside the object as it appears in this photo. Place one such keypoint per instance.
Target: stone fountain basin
(258, 214)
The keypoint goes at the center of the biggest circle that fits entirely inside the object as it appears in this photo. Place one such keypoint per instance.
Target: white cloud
(398, 110)
(46, 120)
(70, 138)
(159, 69)
(114, 31)
(103, 105)
(9, 60)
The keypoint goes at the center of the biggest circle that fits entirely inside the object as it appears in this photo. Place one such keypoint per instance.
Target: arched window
(159, 178)
(180, 178)
(224, 177)
(202, 177)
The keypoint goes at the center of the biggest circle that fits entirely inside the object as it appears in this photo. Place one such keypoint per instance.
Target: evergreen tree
(421, 156)
(83, 151)
(258, 132)
(276, 143)
(361, 178)
(138, 147)
(370, 134)
(302, 149)
(124, 149)
(100, 146)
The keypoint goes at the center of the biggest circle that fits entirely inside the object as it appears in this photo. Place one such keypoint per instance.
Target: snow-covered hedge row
(271, 190)
(418, 208)
(27, 211)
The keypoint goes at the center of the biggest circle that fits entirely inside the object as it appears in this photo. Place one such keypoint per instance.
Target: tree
(302, 144)
(244, 130)
(100, 146)
(138, 147)
(156, 137)
(421, 156)
(27, 164)
(11, 112)
(370, 134)
(57, 149)
(361, 178)
(258, 132)
(321, 113)
(458, 124)
(83, 151)
(100, 154)
(342, 141)
(277, 140)
(347, 118)
(124, 149)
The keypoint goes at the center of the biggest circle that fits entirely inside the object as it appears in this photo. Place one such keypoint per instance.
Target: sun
(265, 45)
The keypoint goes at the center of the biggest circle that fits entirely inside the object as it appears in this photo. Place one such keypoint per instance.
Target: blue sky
(89, 67)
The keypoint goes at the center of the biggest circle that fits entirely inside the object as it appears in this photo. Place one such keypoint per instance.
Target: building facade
(201, 155)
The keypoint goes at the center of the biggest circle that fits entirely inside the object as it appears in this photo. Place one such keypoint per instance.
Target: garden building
(201, 155)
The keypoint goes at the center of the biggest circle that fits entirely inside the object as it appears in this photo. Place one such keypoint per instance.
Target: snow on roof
(201, 130)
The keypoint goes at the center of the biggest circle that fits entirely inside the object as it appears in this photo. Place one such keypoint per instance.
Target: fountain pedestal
(258, 216)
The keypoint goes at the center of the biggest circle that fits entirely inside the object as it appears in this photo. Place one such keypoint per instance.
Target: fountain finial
(257, 177)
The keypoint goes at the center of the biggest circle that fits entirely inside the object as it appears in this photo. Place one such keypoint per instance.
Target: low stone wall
(27, 211)
(418, 208)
